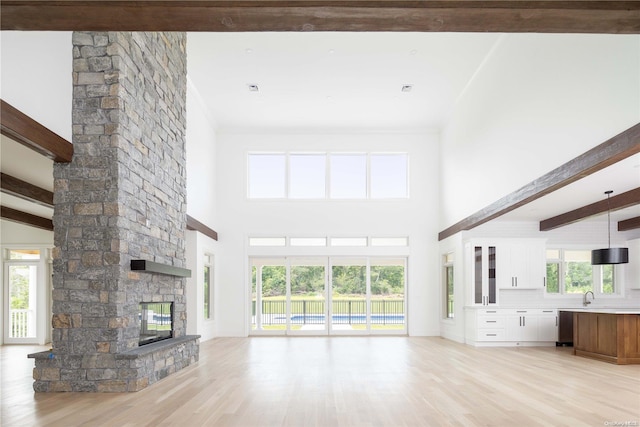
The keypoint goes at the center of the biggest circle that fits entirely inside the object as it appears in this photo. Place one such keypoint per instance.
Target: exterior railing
(345, 312)
(20, 323)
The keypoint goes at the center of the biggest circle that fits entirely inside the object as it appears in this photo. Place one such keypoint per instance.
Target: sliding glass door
(308, 283)
(269, 294)
(349, 302)
(387, 281)
(335, 295)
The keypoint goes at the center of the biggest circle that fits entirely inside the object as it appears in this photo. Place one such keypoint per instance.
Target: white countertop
(604, 310)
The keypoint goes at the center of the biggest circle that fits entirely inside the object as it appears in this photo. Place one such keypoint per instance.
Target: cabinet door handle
(556, 320)
(491, 321)
(516, 282)
(523, 321)
(520, 318)
(491, 335)
(544, 282)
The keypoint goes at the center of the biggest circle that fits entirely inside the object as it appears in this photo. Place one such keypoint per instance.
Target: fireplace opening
(156, 321)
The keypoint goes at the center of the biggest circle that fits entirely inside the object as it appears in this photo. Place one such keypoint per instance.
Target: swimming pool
(347, 319)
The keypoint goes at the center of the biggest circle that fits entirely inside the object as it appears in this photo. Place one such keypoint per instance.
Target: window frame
(448, 265)
(329, 192)
(207, 300)
(596, 276)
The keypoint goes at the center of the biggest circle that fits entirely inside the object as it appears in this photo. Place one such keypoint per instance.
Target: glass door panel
(349, 295)
(269, 295)
(477, 275)
(22, 283)
(308, 295)
(387, 278)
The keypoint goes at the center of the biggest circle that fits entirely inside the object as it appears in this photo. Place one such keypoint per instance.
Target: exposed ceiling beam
(629, 224)
(193, 224)
(24, 190)
(619, 147)
(23, 129)
(575, 16)
(26, 218)
(617, 202)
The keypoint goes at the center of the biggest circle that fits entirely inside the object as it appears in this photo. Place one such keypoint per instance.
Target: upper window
(388, 176)
(267, 176)
(307, 176)
(24, 254)
(339, 176)
(348, 176)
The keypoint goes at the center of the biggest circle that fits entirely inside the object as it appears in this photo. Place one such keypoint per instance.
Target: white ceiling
(333, 80)
(32, 168)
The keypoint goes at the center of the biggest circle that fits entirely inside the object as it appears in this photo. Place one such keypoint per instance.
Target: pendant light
(609, 255)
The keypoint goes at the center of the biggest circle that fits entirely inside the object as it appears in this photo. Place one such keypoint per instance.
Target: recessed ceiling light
(332, 51)
(253, 88)
(407, 88)
(413, 51)
(248, 50)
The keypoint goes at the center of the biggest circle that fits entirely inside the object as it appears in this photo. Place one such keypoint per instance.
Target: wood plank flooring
(345, 381)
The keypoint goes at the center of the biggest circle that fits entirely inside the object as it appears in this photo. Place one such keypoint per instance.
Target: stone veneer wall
(122, 197)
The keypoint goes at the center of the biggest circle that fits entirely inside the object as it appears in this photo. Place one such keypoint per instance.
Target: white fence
(21, 323)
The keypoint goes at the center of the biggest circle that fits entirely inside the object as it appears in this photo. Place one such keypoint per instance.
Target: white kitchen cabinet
(481, 269)
(521, 325)
(521, 264)
(548, 325)
(509, 327)
(485, 325)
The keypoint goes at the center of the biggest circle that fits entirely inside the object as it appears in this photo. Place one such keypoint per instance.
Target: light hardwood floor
(345, 381)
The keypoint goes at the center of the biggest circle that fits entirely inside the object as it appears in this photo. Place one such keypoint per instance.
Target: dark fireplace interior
(156, 321)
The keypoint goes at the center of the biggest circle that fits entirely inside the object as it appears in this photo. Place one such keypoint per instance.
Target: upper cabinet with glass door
(482, 270)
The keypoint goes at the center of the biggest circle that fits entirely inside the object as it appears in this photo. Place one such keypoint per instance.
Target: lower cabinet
(522, 326)
(512, 327)
(548, 323)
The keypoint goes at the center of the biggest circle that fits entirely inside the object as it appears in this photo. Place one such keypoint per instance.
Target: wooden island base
(611, 337)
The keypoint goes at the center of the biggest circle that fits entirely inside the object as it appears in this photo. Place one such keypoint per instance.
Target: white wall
(37, 76)
(201, 205)
(453, 329)
(201, 160)
(12, 233)
(240, 217)
(199, 245)
(539, 101)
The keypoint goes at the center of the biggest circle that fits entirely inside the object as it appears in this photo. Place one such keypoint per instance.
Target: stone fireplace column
(122, 197)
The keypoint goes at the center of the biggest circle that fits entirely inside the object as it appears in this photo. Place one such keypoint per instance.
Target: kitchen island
(611, 335)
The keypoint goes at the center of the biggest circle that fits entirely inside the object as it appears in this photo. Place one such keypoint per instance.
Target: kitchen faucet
(584, 298)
